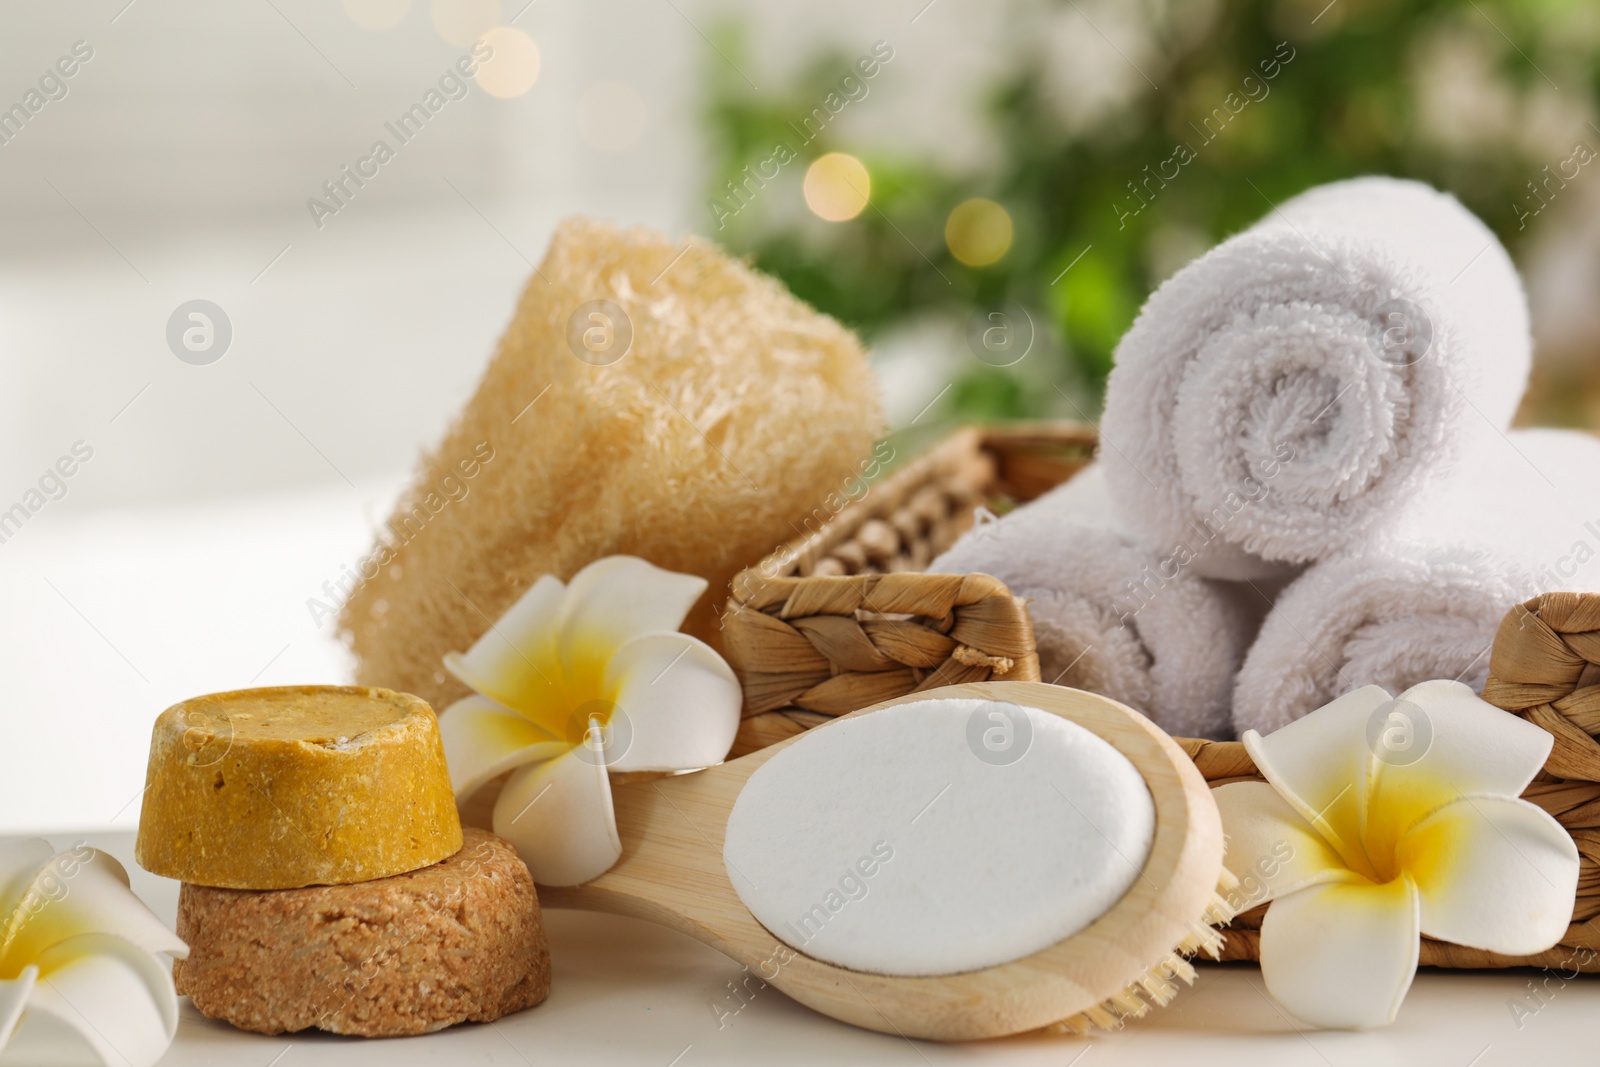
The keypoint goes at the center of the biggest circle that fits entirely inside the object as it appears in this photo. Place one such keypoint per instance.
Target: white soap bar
(938, 836)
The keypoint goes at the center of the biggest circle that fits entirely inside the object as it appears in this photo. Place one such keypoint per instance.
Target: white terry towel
(1423, 600)
(1281, 365)
(1113, 616)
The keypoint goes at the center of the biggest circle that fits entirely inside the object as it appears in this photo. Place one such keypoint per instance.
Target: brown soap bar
(295, 786)
(460, 940)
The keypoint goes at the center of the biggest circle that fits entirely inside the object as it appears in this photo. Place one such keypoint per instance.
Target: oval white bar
(938, 837)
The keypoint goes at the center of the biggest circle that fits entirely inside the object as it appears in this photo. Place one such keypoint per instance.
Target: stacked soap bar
(303, 785)
(316, 834)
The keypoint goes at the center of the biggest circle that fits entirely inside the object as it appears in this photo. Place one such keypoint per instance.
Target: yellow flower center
(576, 694)
(1369, 842)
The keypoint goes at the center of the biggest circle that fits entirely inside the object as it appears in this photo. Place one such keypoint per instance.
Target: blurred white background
(176, 166)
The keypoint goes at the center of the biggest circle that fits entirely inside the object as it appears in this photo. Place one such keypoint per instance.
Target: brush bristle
(1159, 985)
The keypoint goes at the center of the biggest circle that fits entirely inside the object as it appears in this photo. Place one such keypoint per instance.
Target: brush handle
(671, 870)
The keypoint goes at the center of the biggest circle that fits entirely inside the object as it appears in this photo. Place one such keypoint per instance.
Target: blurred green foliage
(1462, 95)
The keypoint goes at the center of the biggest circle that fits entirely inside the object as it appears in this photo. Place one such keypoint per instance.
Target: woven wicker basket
(842, 618)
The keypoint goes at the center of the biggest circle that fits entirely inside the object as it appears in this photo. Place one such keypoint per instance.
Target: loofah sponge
(734, 412)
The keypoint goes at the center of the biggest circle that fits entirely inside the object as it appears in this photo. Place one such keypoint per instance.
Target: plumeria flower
(80, 978)
(1384, 820)
(577, 681)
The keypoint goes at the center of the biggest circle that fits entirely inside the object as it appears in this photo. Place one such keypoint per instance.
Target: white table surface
(629, 993)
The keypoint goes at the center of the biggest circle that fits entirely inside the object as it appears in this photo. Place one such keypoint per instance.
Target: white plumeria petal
(82, 891)
(559, 816)
(483, 740)
(1342, 954)
(1494, 872)
(1271, 849)
(118, 998)
(612, 601)
(1320, 763)
(13, 1001)
(514, 662)
(680, 702)
(20, 861)
(1483, 749)
(1472, 747)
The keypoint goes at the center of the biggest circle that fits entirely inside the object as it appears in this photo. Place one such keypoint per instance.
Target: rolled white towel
(1290, 390)
(1423, 600)
(1113, 616)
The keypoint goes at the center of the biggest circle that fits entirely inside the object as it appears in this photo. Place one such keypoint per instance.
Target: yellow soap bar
(295, 786)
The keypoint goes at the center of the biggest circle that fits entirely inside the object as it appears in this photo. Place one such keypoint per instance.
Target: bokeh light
(611, 116)
(462, 22)
(978, 232)
(514, 65)
(377, 14)
(837, 186)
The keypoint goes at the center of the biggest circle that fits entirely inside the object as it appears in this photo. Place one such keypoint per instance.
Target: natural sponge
(649, 398)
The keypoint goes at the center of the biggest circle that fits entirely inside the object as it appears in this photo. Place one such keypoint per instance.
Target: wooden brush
(1134, 955)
